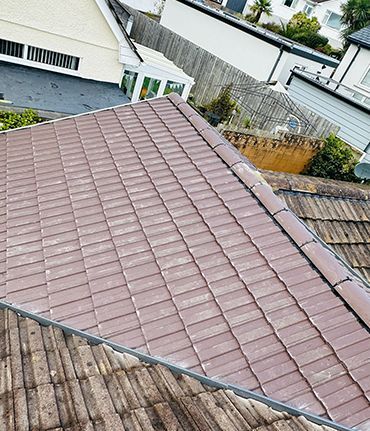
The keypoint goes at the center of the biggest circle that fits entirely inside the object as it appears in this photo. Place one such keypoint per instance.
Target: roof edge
(330, 265)
(239, 391)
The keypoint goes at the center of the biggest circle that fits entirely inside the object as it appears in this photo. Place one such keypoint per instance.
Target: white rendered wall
(356, 71)
(71, 27)
(249, 54)
(244, 51)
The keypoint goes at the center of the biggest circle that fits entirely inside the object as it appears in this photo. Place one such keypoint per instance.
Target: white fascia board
(159, 73)
(126, 54)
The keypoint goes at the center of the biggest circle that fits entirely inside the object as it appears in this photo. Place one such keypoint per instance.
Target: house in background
(344, 98)
(327, 12)
(260, 53)
(83, 40)
(353, 71)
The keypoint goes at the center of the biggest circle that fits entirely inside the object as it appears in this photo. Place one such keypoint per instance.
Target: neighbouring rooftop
(53, 380)
(339, 212)
(29, 87)
(142, 225)
(361, 37)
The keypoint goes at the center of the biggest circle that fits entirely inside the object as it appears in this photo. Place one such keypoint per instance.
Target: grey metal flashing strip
(243, 393)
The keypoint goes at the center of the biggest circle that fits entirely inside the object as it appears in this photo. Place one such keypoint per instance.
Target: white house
(262, 54)
(343, 99)
(84, 39)
(327, 12)
(354, 69)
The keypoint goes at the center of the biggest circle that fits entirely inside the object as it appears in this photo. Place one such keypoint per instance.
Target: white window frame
(308, 6)
(360, 84)
(292, 6)
(327, 15)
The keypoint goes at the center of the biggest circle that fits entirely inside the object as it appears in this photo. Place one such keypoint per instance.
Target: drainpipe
(348, 67)
(276, 64)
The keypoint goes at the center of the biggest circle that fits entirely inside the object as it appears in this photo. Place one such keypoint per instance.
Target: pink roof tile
(142, 225)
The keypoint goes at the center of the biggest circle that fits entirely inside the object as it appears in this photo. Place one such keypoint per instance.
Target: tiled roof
(337, 211)
(362, 37)
(143, 225)
(51, 380)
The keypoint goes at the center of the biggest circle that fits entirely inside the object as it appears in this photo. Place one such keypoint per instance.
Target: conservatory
(154, 76)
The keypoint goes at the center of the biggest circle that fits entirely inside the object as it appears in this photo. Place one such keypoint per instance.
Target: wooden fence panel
(211, 73)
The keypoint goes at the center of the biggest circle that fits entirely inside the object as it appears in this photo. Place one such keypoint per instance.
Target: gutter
(243, 393)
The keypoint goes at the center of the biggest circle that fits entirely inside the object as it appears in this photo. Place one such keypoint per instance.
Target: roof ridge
(153, 360)
(329, 264)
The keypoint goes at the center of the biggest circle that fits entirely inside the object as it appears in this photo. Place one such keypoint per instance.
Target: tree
(335, 161)
(259, 7)
(305, 30)
(12, 120)
(356, 15)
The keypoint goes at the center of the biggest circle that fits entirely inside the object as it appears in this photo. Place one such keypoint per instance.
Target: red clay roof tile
(130, 223)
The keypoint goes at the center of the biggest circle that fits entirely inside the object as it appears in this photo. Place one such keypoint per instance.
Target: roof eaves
(237, 390)
(330, 265)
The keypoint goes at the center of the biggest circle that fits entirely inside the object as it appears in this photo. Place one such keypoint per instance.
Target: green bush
(12, 120)
(335, 161)
(272, 26)
(223, 105)
(306, 31)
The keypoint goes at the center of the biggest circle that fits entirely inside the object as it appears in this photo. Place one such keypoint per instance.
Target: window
(150, 88)
(13, 49)
(128, 83)
(174, 87)
(53, 58)
(332, 20)
(290, 3)
(366, 79)
(362, 98)
(308, 9)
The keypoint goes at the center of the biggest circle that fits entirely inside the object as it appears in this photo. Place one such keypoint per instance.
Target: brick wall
(286, 153)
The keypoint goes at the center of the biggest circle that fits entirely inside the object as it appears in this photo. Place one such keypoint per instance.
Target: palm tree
(356, 15)
(259, 7)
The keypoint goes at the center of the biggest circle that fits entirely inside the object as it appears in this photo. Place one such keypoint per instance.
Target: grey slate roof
(362, 37)
(29, 87)
(51, 380)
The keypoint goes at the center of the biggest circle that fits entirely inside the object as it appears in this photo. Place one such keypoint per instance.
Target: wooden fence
(211, 74)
